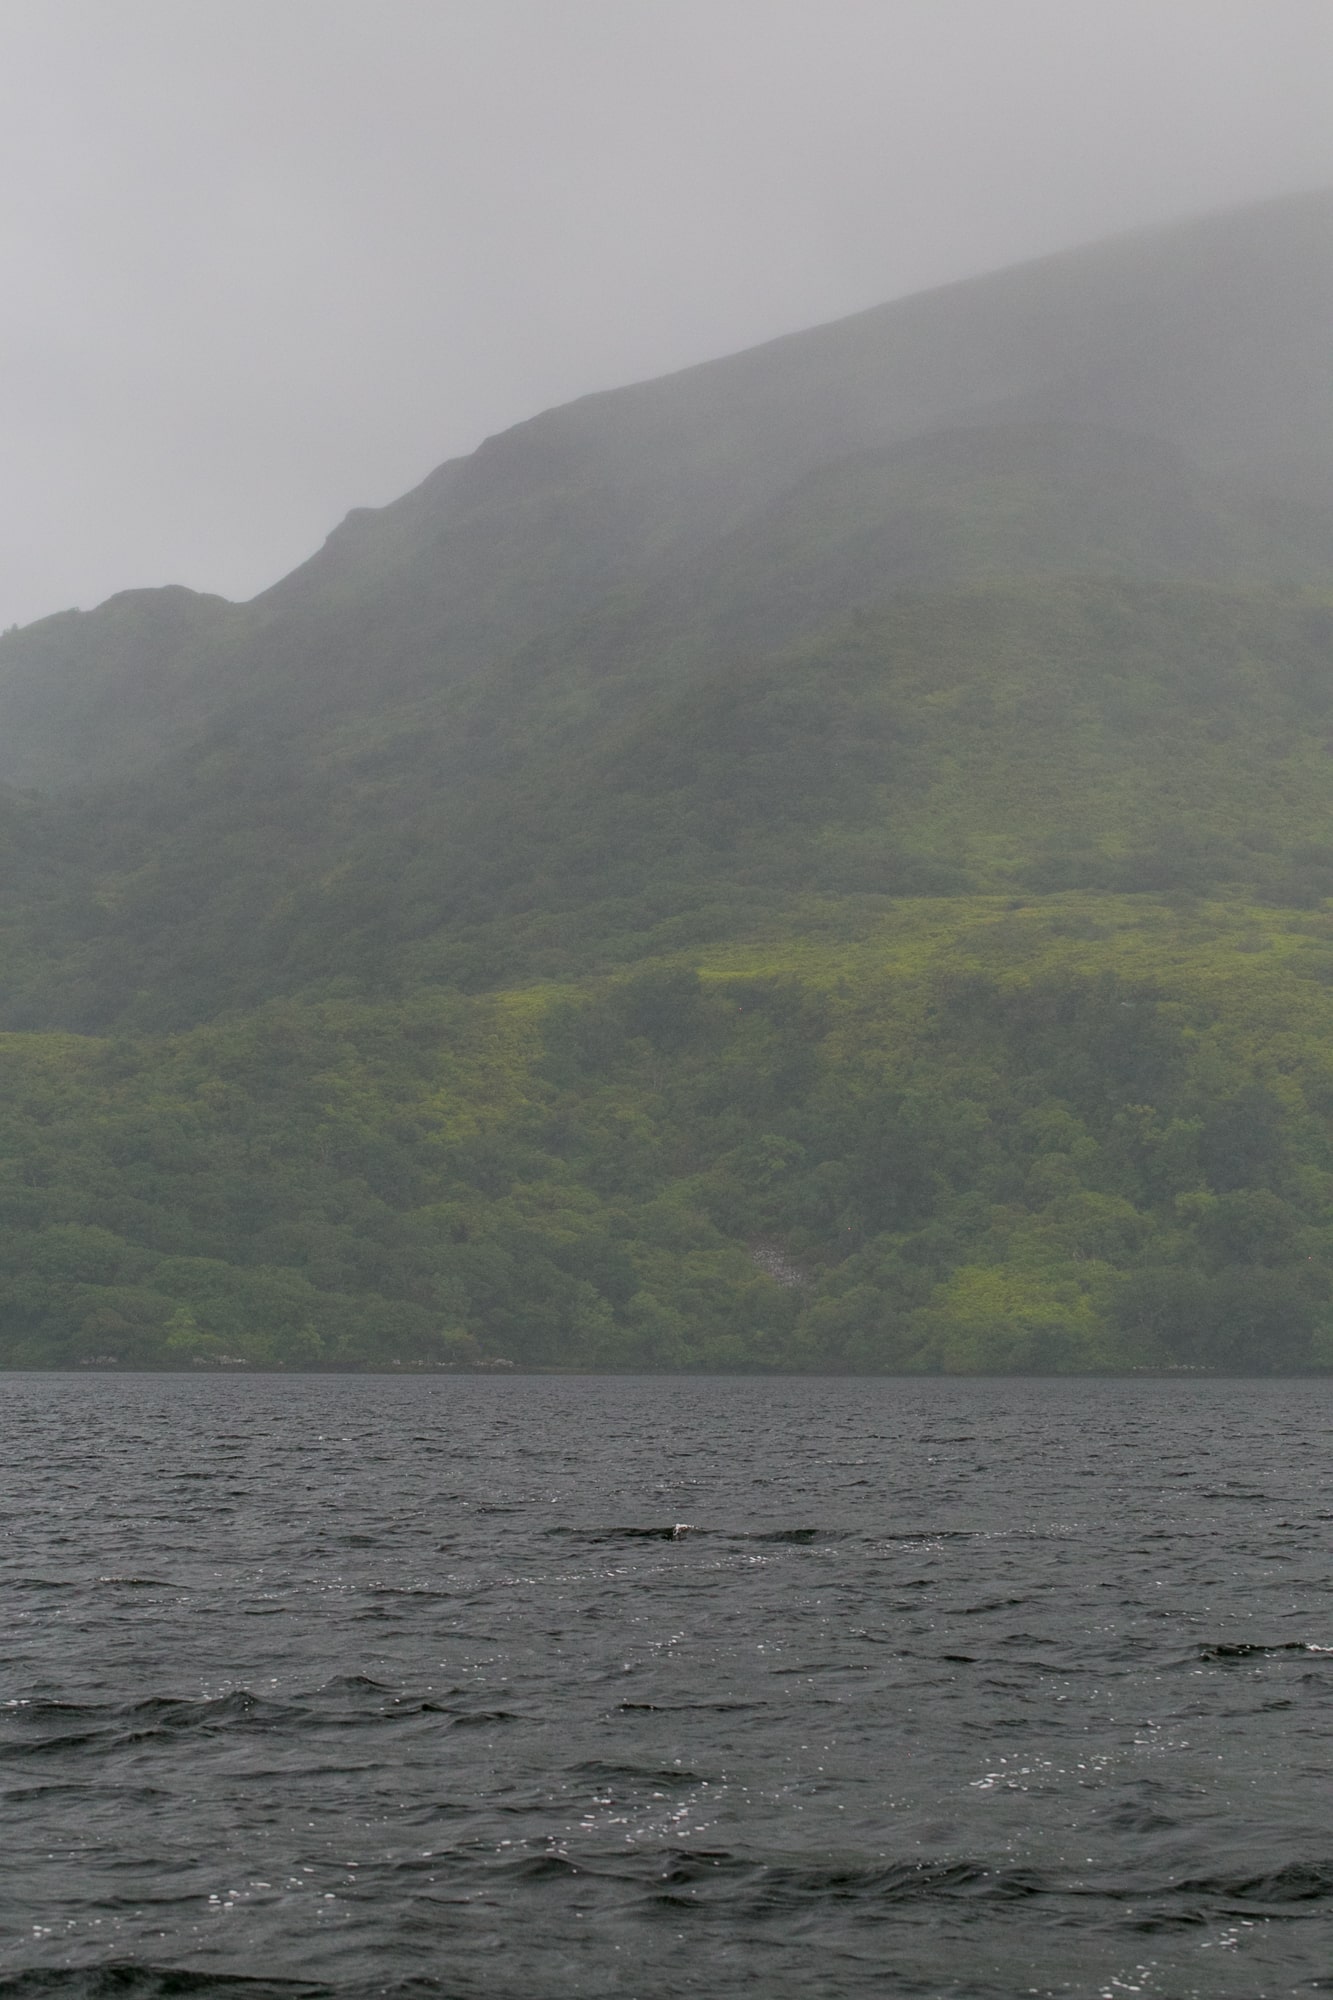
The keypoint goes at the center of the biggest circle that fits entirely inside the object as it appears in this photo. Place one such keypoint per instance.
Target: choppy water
(379, 1686)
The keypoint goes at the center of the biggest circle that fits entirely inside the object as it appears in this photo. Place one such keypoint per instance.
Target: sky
(267, 260)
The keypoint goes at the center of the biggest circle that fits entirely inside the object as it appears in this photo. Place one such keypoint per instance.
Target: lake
(540, 1687)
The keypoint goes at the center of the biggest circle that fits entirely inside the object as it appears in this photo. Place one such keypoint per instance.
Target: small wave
(796, 1536)
(770, 1887)
(1244, 1649)
(685, 1707)
(357, 1686)
(930, 1535)
(676, 1531)
(680, 1878)
(672, 1777)
(405, 1590)
(1301, 1882)
(1139, 1819)
(59, 1727)
(349, 1701)
(128, 1980)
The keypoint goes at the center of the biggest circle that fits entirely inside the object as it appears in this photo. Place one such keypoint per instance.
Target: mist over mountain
(821, 859)
(1208, 336)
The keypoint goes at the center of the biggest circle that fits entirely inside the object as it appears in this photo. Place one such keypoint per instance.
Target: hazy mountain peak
(1211, 334)
(1208, 339)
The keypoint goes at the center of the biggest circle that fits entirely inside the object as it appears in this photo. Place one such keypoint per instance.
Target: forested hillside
(824, 860)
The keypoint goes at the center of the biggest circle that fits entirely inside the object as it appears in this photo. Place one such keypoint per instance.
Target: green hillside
(974, 1135)
(824, 860)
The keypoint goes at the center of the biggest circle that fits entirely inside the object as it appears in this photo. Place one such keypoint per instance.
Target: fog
(265, 263)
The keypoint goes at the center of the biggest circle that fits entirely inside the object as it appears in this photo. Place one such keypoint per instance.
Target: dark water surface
(405, 1686)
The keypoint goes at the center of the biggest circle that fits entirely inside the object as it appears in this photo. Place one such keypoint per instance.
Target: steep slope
(786, 713)
(1209, 336)
(1089, 734)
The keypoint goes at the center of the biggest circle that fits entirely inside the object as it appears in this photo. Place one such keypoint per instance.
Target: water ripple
(452, 1689)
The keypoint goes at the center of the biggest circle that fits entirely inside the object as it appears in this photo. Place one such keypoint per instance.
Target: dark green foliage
(917, 1170)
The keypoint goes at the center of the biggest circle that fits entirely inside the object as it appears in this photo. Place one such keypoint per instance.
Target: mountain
(1209, 337)
(104, 693)
(822, 859)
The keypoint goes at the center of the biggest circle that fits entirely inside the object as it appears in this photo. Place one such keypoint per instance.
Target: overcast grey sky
(266, 260)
